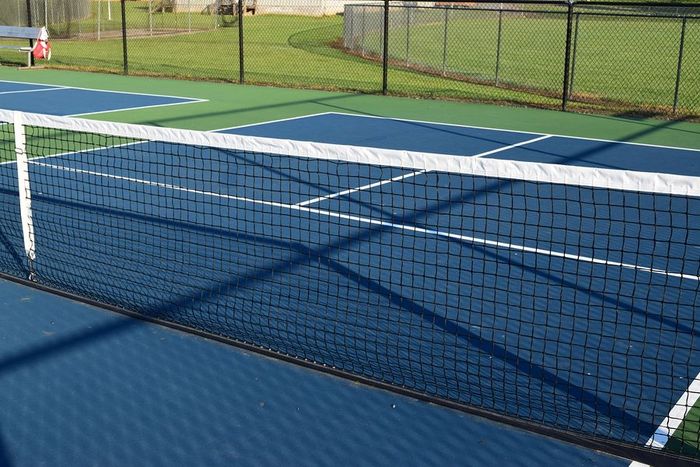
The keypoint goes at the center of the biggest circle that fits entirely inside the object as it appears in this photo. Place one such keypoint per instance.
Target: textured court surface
(81, 386)
(550, 320)
(66, 100)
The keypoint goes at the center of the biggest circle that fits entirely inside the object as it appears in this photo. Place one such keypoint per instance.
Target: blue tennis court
(490, 292)
(72, 101)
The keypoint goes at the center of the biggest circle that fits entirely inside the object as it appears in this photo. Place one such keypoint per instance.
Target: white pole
(99, 18)
(109, 10)
(25, 194)
(46, 13)
(150, 16)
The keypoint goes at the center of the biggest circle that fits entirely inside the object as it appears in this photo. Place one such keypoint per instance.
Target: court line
(674, 418)
(102, 148)
(360, 188)
(378, 222)
(70, 153)
(194, 99)
(632, 143)
(279, 120)
(412, 174)
(58, 87)
(170, 104)
(32, 90)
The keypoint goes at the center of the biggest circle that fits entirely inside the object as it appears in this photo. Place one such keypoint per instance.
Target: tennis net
(561, 298)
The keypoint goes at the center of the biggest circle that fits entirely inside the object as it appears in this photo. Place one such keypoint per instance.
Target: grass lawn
(302, 51)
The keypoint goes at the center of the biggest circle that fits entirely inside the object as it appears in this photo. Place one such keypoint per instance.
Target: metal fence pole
(364, 16)
(124, 50)
(29, 13)
(444, 43)
(408, 32)
(567, 54)
(573, 57)
(385, 50)
(680, 65)
(29, 23)
(498, 45)
(99, 19)
(348, 37)
(241, 56)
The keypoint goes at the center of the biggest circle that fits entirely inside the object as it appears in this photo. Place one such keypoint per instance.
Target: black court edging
(627, 451)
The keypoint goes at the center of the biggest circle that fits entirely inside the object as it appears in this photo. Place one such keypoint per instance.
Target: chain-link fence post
(680, 65)
(385, 49)
(124, 45)
(567, 54)
(189, 16)
(498, 44)
(150, 17)
(29, 23)
(241, 56)
(444, 43)
(364, 18)
(408, 33)
(573, 56)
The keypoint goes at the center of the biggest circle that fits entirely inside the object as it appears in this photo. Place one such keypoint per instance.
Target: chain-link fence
(621, 57)
(594, 56)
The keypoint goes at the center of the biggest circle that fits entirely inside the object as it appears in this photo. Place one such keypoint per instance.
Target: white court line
(367, 220)
(505, 148)
(412, 174)
(631, 143)
(360, 188)
(58, 87)
(288, 119)
(70, 153)
(33, 90)
(674, 419)
(102, 148)
(194, 99)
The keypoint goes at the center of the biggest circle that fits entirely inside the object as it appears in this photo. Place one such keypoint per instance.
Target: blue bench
(18, 32)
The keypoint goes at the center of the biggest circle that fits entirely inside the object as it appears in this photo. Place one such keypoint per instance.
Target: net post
(567, 54)
(385, 50)
(241, 56)
(25, 194)
(680, 66)
(124, 45)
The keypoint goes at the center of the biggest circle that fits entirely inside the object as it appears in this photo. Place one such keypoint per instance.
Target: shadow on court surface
(81, 386)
